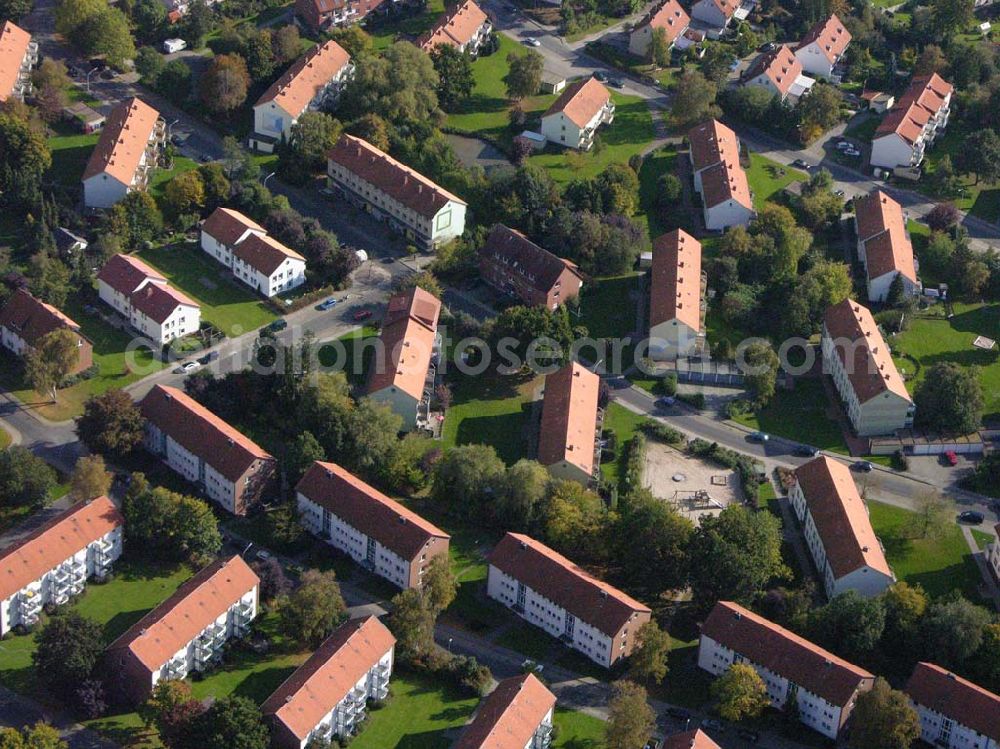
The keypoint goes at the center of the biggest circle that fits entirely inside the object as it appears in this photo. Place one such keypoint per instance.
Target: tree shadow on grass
(426, 740)
(503, 432)
(259, 685)
(123, 734)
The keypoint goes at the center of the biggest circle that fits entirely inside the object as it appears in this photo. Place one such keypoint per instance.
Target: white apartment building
(52, 564)
(231, 469)
(574, 117)
(717, 14)
(144, 298)
(837, 529)
(375, 531)
(547, 590)
(913, 123)
(884, 245)
(719, 177)
(26, 321)
(857, 358)
(412, 205)
(313, 83)
(258, 260)
(466, 27)
(515, 715)
(823, 47)
(954, 712)
(824, 687)
(128, 149)
(188, 631)
(327, 697)
(570, 424)
(780, 72)
(675, 296)
(18, 55)
(670, 17)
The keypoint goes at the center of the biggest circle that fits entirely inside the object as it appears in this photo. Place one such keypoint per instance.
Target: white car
(532, 42)
(844, 145)
(174, 45)
(186, 367)
(852, 152)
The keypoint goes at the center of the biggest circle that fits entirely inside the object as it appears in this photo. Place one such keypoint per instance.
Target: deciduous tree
(884, 719)
(50, 361)
(412, 624)
(454, 71)
(694, 98)
(314, 609)
(648, 661)
(949, 400)
(524, 75)
(631, 720)
(440, 585)
(224, 85)
(90, 478)
(740, 693)
(69, 646)
(25, 479)
(230, 723)
(111, 424)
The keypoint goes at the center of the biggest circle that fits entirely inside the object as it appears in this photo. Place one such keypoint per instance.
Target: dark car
(678, 713)
(767, 47)
(616, 83)
(108, 74)
(747, 735)
(862, 465)
(98, 64)
(277, 325)
(806, 451)
(801, 164)
(211, 356)
(362, 314)
(600, 75)
(972, 517)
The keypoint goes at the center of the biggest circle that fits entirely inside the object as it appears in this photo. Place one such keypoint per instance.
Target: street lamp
(268, 177)
(90, 73)
(449, 644)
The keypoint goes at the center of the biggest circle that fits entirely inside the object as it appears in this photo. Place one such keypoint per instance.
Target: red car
(362, 314)
(951, 458)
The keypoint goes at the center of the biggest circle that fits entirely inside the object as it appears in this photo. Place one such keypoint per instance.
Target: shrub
(667, 384)
(695, 400)
(662, 432)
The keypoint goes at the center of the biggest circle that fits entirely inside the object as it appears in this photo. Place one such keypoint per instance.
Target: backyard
(979, 198)
(768, 177)
(624, 423)
(803, 414)
(607, 306)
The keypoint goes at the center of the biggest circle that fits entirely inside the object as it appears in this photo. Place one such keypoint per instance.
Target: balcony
(28, 607)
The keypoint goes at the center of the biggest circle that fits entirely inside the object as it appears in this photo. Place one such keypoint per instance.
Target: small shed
(87, 119)
(537, 141)
(552, 83)
(984, 28)
(878, 101)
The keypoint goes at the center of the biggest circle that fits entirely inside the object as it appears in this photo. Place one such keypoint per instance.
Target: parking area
(695, 487)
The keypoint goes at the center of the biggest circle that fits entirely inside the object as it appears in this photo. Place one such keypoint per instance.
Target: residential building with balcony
(53, 563)
(25, 321)
(884, 245)
(514, 265)
(327, 697)
(857, 358)
(716, 14)
(676, 294)
(917, 118)
(255, 259)
(412, 205)
(18, 55)
(231, 469)
(515, 715)
(143, 297)
(187, 632)
(993, 553)
(574, 117)
(129, 147)
(837, 529)
(823, 687)
(718, 176)
(404, 370)
(696, 739)
(822, 48)
(954, 712)
(313, 83)
(322, 15)
(571, 423)
(547, 590)
(375, 531)
(780, 72)
(466, 27)
(670, 17)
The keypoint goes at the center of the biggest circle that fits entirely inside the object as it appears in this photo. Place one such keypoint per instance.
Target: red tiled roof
(695, 739)
(529, 260)
(670, 17)
(727, 7)
(264, 253)
(872, 371)
(456, 27)
(161, 633)
(725, 181)
(921, 101)
(882, 227)
(14, 43)
(226, 226)
(675, 280)
(785, 653)
(392, 177)
(569, 418)
(957, 698)
(123, 141)
(554, 576)
(307, 77)
(580, 102)
(55, 542)
(32, 319)
(830, 36)
(780, 66)
(318, 685)
(158, 301)
(364, 507)
(840, 516)
(509, 716)
(712, 142)
(201, 432)
(409, 329)
(126, 273)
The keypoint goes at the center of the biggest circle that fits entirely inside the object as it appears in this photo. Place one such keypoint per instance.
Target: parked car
(279, 324)
(327, 304)
(616, 83)
(972, 517)
(108, 74)
(767, 47)
(713, 724)
(951, 458)
(839, 193)
(600, 75)
(174, 45)
(801, 164)
(362, 314)
(758, 437)
(532, 42)
(186, 367)
(806, 451)
(843, 145)
(263, 555)
(667, 400)
(862, 466)
(211, 356)
(678, 713)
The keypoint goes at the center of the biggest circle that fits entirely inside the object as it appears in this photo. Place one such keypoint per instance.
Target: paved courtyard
(694, 486)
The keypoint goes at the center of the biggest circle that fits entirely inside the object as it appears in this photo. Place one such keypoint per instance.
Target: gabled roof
(307, 78)
(509, 716)
(569, 418)
(161, 633)
(780, 66)
(364, 507)
(554, 576)
(696, 739)
(882, 227)
(409, 329)
(392, 177)
(922, 100)
(670, 17)
(871, 370)
(830, 37)
(840, 516)
(725, 181)
(126, 273)
(14, 43)
(264, 253)
(539, 266)
(785, 653)
(712, 142)
(675, 281)
(318, 685)
(158, 301)
(226, 226)
(201, 432)
(580, 102)
(32, 319)
(123, 141)
(456, 27)
(726, 7)
(959, 699)
(54, 542)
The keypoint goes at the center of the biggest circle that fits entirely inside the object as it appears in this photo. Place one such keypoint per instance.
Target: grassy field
(492, 410)
(767, 177)
(660, 162)
(624, 424)
(933, 340)
(159, 178)
(70, 151)
(410, 27)
(980, 198)
(330, 356)
(802, 414)
(230, 308)
(938, 564)
(607, 306)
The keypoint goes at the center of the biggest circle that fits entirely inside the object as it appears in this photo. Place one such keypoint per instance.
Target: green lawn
(935, 339)
(5, 439)
(980, 198)
(384, 34)
(983, 539)
(531, 642)
(160, 177)
(71, 150)
(802, 414)
(492, 410)
(578, 730)
(607, 306)
(938, 564)
(768, 177)
(330, 355)
(230, 308)
(624, 423)
(660, 162)
(629, 134)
